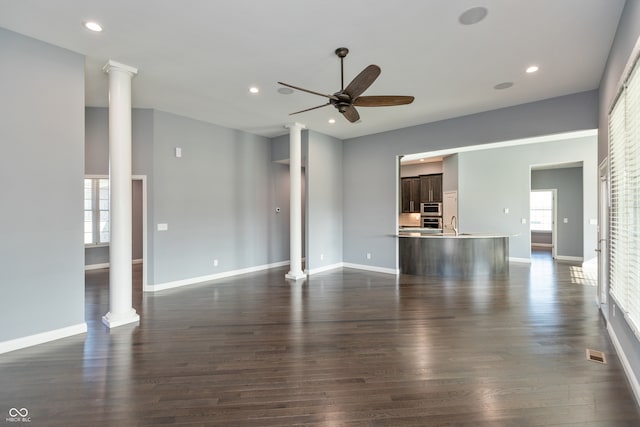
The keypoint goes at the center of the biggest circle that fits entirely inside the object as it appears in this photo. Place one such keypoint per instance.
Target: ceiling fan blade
(312, 108)
(382, 101)
(309, 91)
(362, 81)
(351, 114)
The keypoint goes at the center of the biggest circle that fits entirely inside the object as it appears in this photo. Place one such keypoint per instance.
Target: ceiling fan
(348, 98)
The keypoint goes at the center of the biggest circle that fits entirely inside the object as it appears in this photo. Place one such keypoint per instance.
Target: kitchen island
(429, 253)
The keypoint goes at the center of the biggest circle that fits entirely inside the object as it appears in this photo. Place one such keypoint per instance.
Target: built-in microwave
(432, 222)
(431, 209)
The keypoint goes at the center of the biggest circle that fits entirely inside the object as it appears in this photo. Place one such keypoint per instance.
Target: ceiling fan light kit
(348, 98)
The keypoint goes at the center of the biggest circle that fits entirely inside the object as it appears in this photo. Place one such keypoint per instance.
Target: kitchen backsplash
(409, 220)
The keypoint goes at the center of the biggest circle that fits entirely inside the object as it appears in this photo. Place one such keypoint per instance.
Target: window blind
(624, 220)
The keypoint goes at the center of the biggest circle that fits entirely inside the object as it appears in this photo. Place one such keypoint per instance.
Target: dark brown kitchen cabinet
(411, 195)
(431, 188)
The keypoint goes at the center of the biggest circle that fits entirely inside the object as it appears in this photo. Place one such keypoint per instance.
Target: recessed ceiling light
(473, 15)
(93, 26)
(254, 89)
(332, 121)
(285, 91)
(532, 69)
(503, 85)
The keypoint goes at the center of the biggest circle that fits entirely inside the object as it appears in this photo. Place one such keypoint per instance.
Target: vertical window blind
(624, 214)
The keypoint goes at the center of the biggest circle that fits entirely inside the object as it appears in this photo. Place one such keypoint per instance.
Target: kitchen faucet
(454, 224)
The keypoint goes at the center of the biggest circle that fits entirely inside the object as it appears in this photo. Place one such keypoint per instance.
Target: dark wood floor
(344, 348)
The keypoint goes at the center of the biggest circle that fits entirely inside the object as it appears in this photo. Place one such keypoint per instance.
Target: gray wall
(371, 188)
(541, 237)
(626, 38)
(96, 160)
(324, 195)
(218, 199)
(450, 173)
(491, 180)
(41, 172)
(568, 182)
(215, 199)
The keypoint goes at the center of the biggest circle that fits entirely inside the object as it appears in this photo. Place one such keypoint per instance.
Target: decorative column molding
(121, 311)
(295, 199)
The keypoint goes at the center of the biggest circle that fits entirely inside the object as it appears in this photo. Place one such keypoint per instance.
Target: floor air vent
(596, 356)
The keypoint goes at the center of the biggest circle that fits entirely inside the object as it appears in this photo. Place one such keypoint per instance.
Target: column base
(114, 320)
(295, 275)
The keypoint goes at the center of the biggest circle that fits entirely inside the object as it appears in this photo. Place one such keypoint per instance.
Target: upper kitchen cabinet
(411, 195)
(431, 188)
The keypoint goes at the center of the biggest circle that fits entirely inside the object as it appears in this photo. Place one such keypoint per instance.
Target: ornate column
(121, 311)
(295, 199)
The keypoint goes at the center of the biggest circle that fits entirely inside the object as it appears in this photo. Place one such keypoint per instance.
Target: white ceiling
(197, 58)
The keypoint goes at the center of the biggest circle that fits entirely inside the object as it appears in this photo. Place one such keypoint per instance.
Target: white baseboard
(210, 277)
(393, 271)
(106, 265)
(569, 258)
(324, 268)
(41, 338)
(520, 260)
(631, 377)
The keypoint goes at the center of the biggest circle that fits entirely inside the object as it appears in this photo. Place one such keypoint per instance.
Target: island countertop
(425, 233)
(450, 254)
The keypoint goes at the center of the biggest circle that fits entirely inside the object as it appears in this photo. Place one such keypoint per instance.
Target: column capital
(116, 66)
(295, 125)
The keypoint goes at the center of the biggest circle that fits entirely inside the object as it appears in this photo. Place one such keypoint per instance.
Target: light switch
(523, 220)
(506, 210)
(163, 227)
(178, 152)
(593, 221)
(566, 220)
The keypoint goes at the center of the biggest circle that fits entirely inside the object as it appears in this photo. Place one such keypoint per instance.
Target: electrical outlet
(321, 257)
(215, 262)
(368, 255)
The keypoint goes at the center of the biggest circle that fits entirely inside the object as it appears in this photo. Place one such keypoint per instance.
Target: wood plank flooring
(343, 348)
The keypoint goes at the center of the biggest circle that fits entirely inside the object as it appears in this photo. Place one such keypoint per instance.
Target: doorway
(542, 220)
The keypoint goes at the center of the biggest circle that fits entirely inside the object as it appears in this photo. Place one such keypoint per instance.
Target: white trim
(113, 321)
(520, 260)
(41, 338)
(96, 245)
(96, 266)
(395, 272)
(210, 277)
(541, 245)
(145, 265)
(107, 265)
(569, 258)
(631, 377)
(324, 268)
(511, 143)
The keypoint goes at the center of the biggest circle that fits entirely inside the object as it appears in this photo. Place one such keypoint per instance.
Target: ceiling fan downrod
(342, 52)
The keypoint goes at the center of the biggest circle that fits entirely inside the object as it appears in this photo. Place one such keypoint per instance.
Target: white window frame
(551, 210)
(624, 188)
(96, 214)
